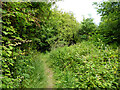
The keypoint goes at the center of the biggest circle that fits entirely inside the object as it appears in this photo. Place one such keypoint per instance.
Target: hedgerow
(20, 24)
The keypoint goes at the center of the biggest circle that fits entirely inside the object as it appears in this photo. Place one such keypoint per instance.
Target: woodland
(38, 42)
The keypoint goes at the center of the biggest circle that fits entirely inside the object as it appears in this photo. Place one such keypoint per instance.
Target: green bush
(85, 66)
(16, 70)
(110, 21)
(21, 32)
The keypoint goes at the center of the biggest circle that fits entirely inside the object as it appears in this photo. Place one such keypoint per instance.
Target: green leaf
(0, 20)
(10, 52)
(10, 47)
(5, 32)
(5, 65)
(19, 38)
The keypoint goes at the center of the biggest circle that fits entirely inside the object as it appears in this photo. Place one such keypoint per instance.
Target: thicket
(86, 29)
(28, 26)
(109, 27)
(65, 29)
(21, 27)
(92, 64)
(84, 65)
(31, 26)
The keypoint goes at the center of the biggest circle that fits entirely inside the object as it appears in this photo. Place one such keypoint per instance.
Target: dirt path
(49, 74)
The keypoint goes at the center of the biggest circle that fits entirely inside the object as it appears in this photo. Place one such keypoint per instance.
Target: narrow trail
(43, 75)
(48, 73)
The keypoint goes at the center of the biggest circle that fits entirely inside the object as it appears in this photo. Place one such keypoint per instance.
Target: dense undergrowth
(85, 65)
(78, 56)
(17, 70)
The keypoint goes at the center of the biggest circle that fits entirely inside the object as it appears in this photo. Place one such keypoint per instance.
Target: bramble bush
(85, 66)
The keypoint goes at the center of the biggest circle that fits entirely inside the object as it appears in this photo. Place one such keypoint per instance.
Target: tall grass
(38, 77)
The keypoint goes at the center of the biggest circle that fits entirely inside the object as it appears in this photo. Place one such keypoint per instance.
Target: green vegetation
(85, 66)
(109, 28)
(38, 78)
(37, 39)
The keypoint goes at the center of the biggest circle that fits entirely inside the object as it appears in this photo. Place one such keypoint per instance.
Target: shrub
(85, 66)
